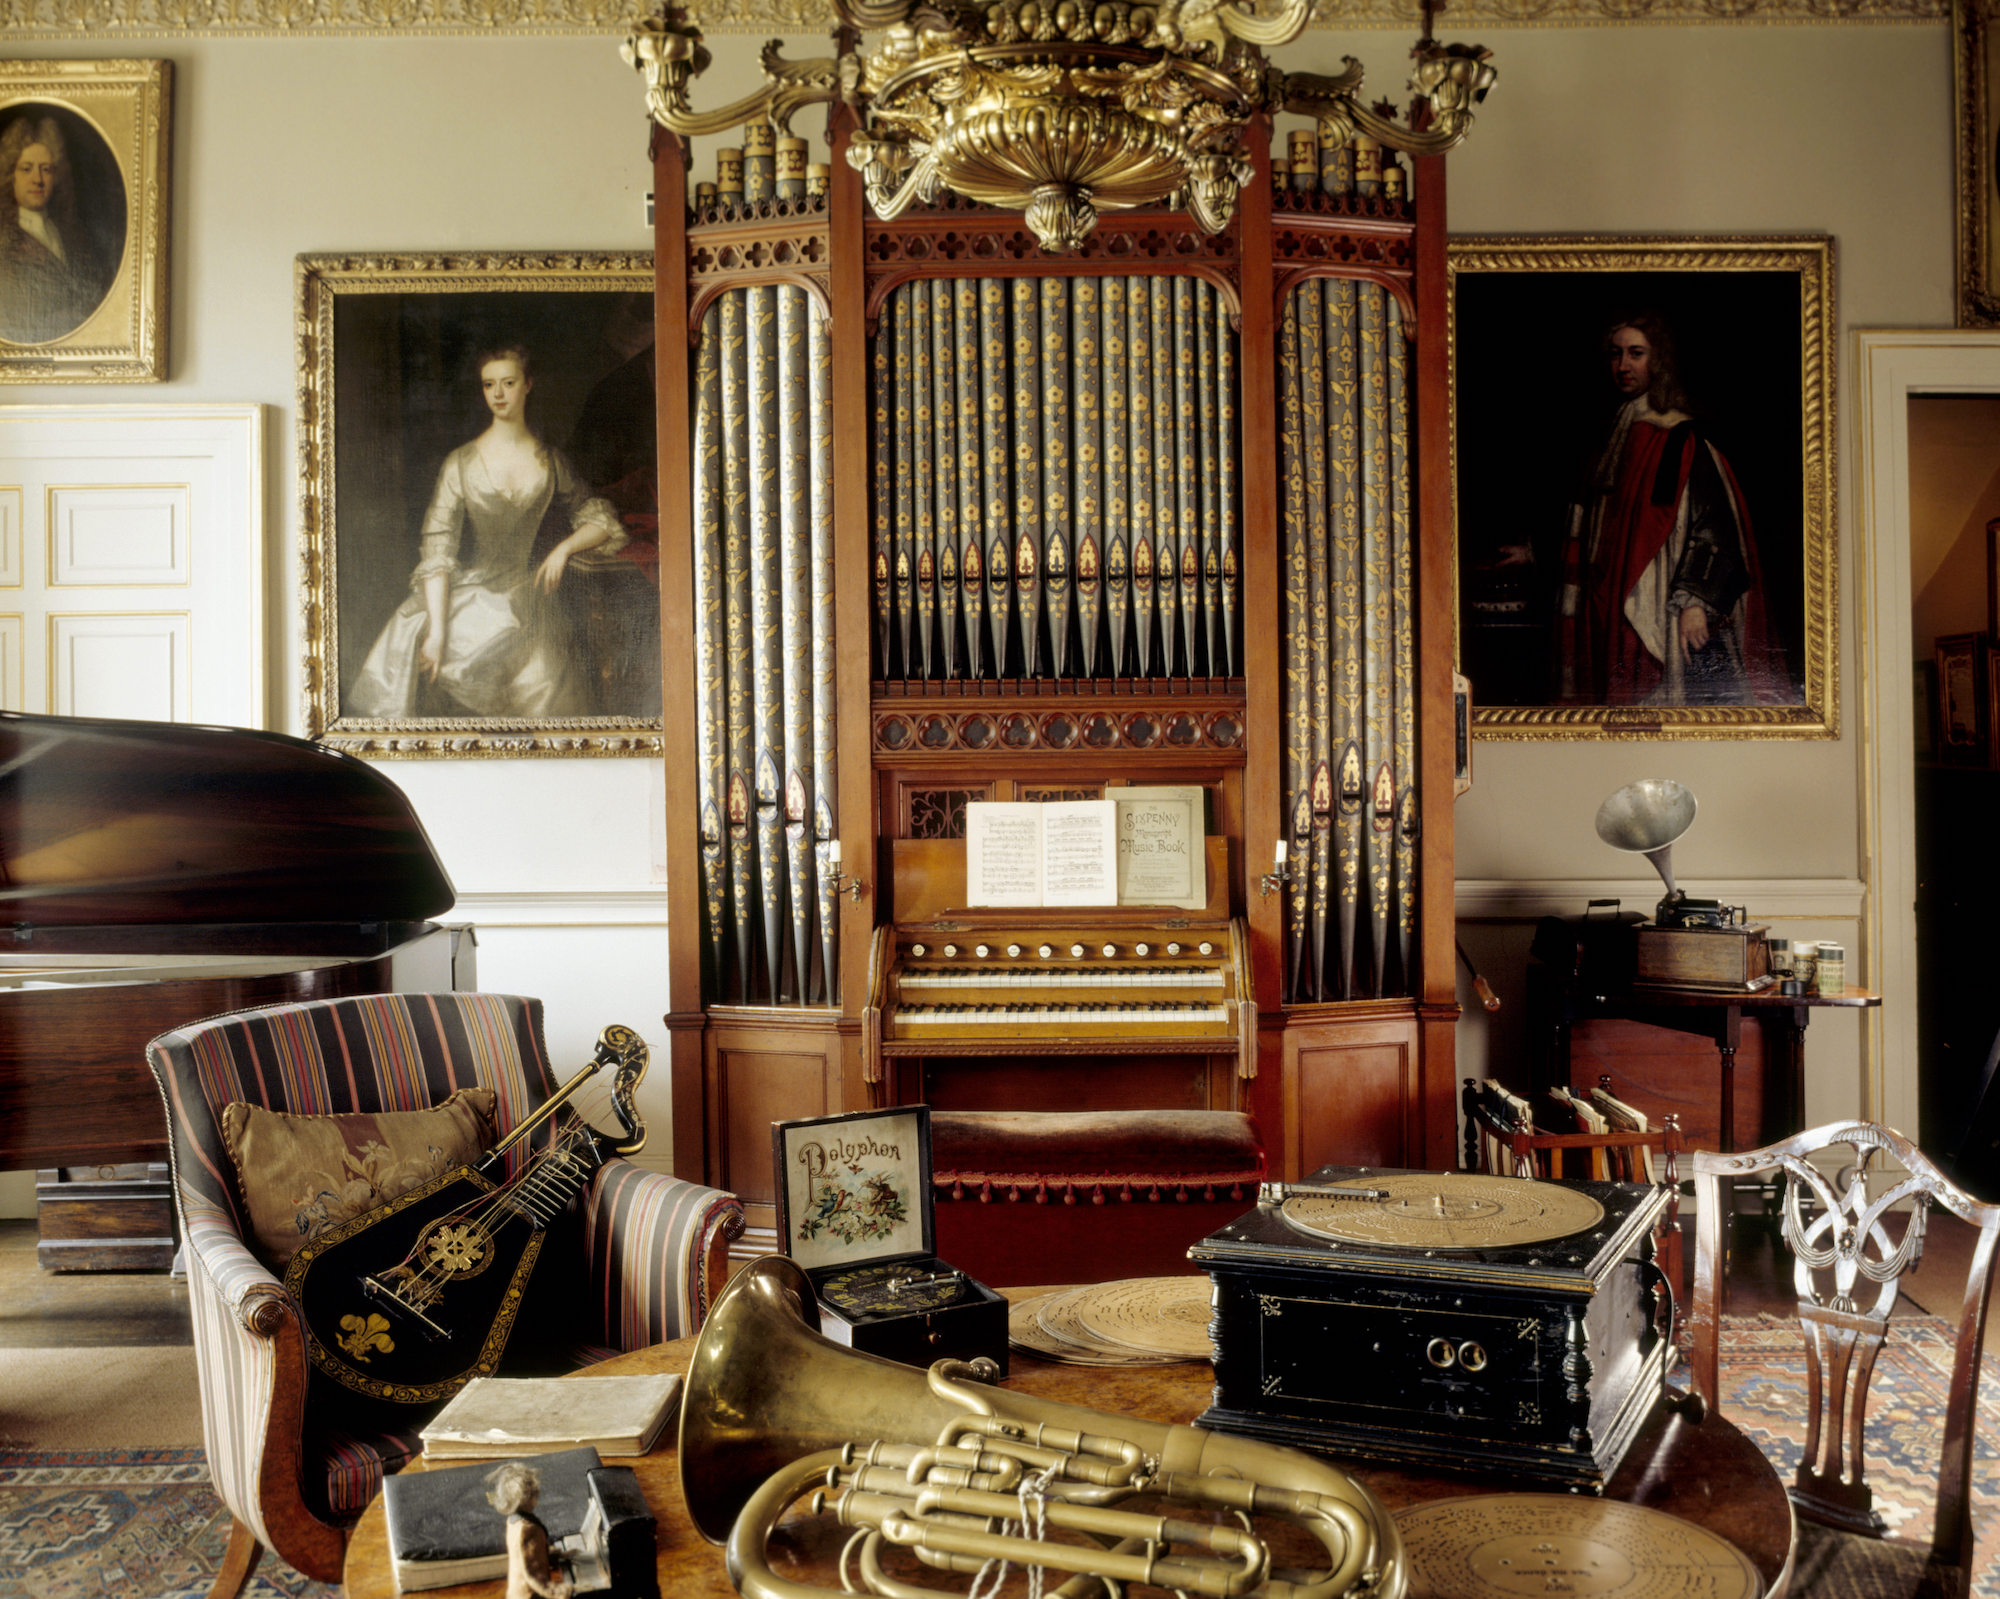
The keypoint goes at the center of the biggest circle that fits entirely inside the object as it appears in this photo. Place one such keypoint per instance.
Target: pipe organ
(967, 521)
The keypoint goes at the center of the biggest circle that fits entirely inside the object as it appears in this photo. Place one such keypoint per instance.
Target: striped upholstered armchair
(293, 1479)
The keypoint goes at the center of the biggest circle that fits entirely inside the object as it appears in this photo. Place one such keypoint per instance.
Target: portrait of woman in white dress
(481, 631)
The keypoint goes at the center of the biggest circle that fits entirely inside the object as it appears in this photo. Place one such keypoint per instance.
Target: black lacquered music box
(1442, 1319)
(855, 1212)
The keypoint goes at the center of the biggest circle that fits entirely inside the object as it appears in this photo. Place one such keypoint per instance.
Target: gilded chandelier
(1061, 109)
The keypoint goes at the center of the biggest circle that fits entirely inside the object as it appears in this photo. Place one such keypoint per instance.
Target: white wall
(360, 145)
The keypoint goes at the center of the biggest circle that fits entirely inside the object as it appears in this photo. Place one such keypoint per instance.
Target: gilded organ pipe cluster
(765, 650)
(1054, 479)
(1349, 640)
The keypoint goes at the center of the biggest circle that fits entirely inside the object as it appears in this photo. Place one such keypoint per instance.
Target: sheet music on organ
(1135, 848)
(1063, 852)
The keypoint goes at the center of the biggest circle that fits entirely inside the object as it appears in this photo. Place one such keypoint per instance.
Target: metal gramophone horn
(773, 1412)
(1646, 818)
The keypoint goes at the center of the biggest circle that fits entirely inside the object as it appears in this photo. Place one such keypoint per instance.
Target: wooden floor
(68, 1310)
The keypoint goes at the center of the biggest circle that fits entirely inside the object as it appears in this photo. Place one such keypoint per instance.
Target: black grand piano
(155, 873)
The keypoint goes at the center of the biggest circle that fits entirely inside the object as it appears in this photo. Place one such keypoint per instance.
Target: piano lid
(107, 823)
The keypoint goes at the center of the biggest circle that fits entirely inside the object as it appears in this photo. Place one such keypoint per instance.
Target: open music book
(1135, 847)
(495, 1416)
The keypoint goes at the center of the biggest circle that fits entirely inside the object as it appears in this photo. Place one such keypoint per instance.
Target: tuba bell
(941, 1463)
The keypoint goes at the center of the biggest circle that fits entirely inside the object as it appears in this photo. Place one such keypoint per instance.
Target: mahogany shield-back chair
(1850, 1248)
(1501, 1137)
(293, 1477)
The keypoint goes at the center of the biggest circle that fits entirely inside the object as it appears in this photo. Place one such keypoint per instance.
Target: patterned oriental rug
(106, 1524)
(119, 1524)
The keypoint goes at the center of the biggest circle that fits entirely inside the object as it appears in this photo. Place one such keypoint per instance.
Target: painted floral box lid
(856, 1188)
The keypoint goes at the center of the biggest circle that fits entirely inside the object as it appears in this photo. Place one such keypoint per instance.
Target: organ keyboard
(1102, 987)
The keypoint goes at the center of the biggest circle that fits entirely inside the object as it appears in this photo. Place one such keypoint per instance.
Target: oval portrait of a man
(63, 219)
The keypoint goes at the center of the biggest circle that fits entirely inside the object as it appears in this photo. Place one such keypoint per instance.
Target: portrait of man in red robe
(1634, 516)
(1661, 599)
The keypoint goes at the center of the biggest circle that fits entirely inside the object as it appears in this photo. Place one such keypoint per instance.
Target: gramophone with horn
(1690, 942)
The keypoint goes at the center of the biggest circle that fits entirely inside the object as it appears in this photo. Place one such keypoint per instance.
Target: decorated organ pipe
(971, 486)
(736, 626)
(825, 647)
(1139, 347)
(710, 668)
(1377, 627)
(1087, 559)
(1295, 652)
(766, 642)
(995, 457)
(1057, 503)
(795, 625)
(1117, 478)
(1340, 798)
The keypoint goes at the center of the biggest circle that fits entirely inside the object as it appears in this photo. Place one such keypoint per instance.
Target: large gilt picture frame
(1974, 79)
(479, 504)
(1643, 486)
(84, 164)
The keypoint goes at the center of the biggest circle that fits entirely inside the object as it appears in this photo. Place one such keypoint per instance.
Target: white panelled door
(132, 561)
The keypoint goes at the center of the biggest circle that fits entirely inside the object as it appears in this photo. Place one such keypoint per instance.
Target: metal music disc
(1166, 1315)
(1501, 1546)
(866, 1291)
(1447, 1210)
(1029, 1330)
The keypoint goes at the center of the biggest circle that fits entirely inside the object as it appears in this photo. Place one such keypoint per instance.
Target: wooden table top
(1849, 998)
(1709, 1473)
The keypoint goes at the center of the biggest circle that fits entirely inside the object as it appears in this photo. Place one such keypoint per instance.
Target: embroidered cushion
(301, 1175)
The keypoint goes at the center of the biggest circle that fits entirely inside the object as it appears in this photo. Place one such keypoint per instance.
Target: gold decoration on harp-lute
(1062, 109)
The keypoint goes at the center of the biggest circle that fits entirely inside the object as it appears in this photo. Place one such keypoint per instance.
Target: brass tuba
(938, 1462)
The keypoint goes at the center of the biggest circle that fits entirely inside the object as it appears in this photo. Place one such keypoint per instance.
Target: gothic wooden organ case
(948, 518)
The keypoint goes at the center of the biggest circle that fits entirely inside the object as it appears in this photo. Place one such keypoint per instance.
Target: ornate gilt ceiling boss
(1062, 109)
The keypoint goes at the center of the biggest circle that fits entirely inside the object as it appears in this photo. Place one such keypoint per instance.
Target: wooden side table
(1559, 1005)
(1708, 1473)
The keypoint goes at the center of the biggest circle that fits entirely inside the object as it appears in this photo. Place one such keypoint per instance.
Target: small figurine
(513, 1490)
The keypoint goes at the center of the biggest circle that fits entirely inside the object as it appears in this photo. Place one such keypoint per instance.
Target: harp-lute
(414, 1299)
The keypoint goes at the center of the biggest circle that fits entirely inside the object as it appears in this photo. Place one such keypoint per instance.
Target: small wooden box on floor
(1540, 1358)
(105, 1218)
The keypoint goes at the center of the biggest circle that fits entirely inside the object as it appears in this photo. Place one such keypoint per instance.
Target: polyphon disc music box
(1442, 1319)
(854, 1211)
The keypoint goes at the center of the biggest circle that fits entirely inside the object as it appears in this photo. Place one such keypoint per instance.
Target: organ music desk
(967, 1006)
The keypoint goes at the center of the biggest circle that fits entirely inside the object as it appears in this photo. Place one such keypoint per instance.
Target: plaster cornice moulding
(99, 21)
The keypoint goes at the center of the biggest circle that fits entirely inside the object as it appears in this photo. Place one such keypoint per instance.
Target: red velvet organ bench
(1087, 1196)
